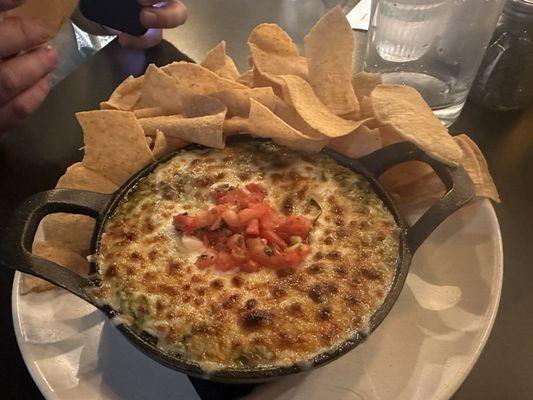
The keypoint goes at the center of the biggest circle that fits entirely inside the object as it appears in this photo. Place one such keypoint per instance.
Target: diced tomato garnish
(235, 242)
(273, 239)
(224, 261)
(250, 266)
(253, 228)
(257, 236)
(294, 226)
(255, 188)
(215, 239)
(207, 259)
(231, 219)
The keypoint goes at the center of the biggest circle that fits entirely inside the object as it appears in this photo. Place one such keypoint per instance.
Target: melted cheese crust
(235, 319)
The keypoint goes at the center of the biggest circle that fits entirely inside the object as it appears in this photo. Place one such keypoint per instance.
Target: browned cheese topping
(242, 319)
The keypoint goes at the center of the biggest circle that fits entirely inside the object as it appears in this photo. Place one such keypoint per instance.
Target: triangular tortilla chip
(160, 90)
(151, 112)
(264, 123)
(329, 48)
(220, 63)
(57, 253)
(357, 144)
(125, 96)
(71, 231)
(236, 125)
(247, 78)
(80, 177)
(238, 101)
(51, 14)
(364, 82)
(475, 164)
(164, 145)
(403, 109)
(115, 145)
(206, 130)
(274, 53)
(194, 78)
(299, 93)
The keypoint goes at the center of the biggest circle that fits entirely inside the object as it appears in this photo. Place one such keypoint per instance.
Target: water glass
(435, 46)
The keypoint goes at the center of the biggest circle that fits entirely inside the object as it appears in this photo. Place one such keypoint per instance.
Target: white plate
(423, 350)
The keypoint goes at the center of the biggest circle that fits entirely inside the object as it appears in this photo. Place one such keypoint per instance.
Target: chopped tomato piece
(215, 239)
(255, 188)
(224, 261)
(189, 224)
(207, 259)
(231, 219)
(235, 242)
(216, 224)
(250, 266)
(273, 239)
(294, 226)
(241, 198)
(253, 228)
(263, 254)
(239, 256)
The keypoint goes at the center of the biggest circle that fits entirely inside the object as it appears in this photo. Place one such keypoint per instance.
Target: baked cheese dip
(248, 257)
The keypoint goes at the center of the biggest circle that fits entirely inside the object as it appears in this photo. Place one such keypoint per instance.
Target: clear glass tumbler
(435, 46)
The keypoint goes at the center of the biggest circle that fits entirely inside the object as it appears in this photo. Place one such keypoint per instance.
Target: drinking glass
(436, 46)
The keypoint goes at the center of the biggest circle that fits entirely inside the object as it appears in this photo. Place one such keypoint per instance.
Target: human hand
(155, 16)
(26, 62)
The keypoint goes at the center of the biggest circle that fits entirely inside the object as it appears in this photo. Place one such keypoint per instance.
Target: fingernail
(149, 18)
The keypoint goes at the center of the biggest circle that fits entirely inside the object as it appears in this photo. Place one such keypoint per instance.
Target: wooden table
(34, 155)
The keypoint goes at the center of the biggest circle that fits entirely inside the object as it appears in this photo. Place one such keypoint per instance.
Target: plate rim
(445, 393)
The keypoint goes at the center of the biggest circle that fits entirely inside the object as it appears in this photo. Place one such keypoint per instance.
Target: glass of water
(435, 46)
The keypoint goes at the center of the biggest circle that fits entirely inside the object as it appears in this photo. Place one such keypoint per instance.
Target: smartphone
(122, 15)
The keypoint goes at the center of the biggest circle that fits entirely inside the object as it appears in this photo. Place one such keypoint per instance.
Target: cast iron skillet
(17, 239)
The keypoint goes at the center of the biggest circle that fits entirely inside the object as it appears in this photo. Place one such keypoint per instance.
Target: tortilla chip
(299, 93)
(357, 144)
(149, 141)
(420, 193)
(150, 112)
(115, 145)
(329, 48)
(475, 164)
(238, 101)
(160, 90)
(264, 123)
(58, 254)
(274, 53)
(72, 231)
(365, 108)
(51, 14)
(175, 143)
(80, 177)
(165, 145)
(364, 82)
(403, 109)
(236, 125)
(220, 63)
(291, 117)
(195, 79)
(247, 78)
(125, 96)
(404, 174)
(206, 130)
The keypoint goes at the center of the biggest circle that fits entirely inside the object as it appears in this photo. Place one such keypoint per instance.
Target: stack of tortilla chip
(304, 102)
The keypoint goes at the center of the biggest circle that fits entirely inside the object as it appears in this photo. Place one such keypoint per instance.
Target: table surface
(34, 155)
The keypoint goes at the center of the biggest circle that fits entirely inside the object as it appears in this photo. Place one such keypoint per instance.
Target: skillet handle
(17, 238)
(459, 187)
